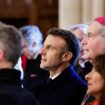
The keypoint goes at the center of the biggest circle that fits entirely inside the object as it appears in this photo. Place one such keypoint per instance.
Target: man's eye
(89, 35)
(50, 48)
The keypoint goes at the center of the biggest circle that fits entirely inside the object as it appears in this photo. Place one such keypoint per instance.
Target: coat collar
(10, 76)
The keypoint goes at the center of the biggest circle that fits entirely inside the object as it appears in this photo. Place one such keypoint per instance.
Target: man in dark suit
(58, 56)
(11, 91)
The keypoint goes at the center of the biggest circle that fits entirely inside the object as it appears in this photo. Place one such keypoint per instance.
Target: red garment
(94, 103)
(24, 62)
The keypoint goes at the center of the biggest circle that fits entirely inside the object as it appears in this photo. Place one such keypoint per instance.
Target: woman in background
(96, 81)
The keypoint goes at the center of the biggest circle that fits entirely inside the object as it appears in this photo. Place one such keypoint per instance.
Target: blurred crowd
(67, 68)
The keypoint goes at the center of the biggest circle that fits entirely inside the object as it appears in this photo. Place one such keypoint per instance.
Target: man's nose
(41, 51)
(84, 41)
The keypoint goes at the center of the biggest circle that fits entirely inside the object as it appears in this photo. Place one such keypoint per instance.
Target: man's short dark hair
(70, 39)
(10, 43)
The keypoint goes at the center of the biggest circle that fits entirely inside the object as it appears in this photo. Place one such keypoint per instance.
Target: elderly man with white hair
(32, 42)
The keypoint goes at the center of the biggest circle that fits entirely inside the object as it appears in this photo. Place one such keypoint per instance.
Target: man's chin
(86, 57)
(42, 66)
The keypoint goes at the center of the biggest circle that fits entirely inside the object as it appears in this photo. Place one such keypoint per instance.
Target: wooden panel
(14, 8)
(43, 13)
(47, 9)
(48, 14)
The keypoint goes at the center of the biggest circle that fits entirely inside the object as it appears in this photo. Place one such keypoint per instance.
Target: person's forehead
(95, 27)
(54, 40)
(92, 28)
(79, 33)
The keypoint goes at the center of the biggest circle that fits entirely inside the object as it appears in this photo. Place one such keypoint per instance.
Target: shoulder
(15, 95)
(76, 83)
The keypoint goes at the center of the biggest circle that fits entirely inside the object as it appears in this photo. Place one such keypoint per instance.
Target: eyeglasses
(91, 35)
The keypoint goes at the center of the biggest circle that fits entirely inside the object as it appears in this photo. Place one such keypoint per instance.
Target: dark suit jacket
(33, 74)
(66, 89)
(11, 91)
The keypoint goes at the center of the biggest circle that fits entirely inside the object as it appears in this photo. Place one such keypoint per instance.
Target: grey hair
(83, 27)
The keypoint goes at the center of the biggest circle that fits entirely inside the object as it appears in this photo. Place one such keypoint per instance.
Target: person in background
(18, 65)
(32, 42)
(11, 91)
(82, 66)
(94, 43)
(80, 30)
(58, 56)
(96, 81)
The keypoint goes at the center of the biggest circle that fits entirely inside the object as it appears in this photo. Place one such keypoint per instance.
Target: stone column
(69, 13)
(98, 8)
(86, 10)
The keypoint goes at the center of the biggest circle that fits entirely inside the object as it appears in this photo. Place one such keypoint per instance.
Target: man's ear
(1, 55)
(67, 56)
